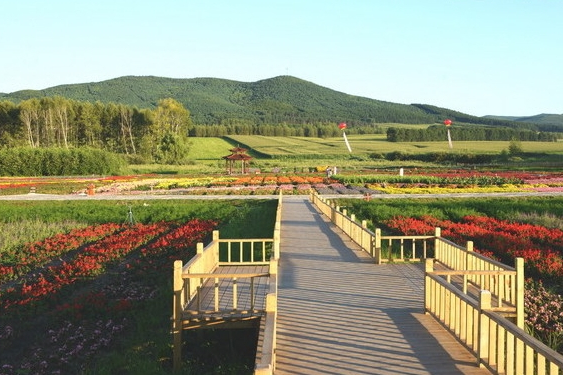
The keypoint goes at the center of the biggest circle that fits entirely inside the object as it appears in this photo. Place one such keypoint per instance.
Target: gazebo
(237, 153)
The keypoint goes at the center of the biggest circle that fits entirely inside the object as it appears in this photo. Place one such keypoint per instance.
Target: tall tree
(126, 126)
(29, 116)
(167, 138)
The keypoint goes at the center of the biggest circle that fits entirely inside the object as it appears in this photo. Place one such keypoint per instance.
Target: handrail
(217, 276)
(382, 248)
(497, 343)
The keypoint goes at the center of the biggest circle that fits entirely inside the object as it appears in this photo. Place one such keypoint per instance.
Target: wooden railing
(382, 248)
(498, 344)
(505, 283)
(245, 251)
(188, 280)
(199, 280)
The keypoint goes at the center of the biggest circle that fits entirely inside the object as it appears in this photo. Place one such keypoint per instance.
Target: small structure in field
(237, 154)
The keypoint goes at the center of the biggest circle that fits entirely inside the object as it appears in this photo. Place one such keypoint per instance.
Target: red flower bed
(541, 247)
(37, 254)
(176, 243)
(88, 262)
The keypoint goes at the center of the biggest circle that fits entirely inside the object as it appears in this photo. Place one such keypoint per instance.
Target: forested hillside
(279, 100)
(545, 121)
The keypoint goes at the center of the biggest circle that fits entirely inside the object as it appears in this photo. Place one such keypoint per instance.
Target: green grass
(367, 144)
(303, 152)
(208, 148)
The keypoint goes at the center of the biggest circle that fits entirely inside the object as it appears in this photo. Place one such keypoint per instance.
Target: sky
(480, 57)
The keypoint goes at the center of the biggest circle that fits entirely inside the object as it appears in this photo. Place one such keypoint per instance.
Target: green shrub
(25, 161)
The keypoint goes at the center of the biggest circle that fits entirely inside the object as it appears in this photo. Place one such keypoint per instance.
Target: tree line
(146, 135)
(467, 133)
(155, 135)
(312, 129)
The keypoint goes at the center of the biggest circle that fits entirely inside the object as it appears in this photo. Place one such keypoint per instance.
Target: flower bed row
(21, 260)
(412, 181)
(90, 261)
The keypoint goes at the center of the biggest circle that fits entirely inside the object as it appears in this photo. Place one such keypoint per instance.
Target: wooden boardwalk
(338, 313)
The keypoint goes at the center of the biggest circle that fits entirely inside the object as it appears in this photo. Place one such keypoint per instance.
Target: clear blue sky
(501, 57)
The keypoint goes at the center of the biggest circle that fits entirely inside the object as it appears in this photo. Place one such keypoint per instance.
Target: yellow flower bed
(186, 182)
(444, 190)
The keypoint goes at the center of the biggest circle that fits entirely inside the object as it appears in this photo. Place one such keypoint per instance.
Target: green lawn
(209, 148)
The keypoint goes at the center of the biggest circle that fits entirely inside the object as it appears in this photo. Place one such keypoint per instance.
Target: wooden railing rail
(199, 279)
(498, 344)
(245, 251)
(402, 248)
(266, 363)
(381, 248)
(504, 282)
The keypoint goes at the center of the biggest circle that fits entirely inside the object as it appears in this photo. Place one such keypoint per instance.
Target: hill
(276, 100)
(545, 120)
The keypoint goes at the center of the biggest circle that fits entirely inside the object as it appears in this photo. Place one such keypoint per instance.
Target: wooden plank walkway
(338, 313)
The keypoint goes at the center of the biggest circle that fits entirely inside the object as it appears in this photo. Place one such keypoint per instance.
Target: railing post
(437, 235)
(215, 235)
(276, 245)
(178, 284)
(273, 267)
(199, 248)
(483, 331)
(271, 302)
(520, 287)
(377, 246)
(428, 267)
(365, 238)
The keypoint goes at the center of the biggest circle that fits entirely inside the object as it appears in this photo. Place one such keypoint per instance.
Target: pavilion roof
(237, 157)
(238, 149)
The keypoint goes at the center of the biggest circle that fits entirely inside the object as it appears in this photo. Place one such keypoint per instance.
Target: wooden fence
(497, 342)
(382, 248)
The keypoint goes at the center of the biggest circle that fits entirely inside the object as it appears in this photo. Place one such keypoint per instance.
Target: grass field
(206, 154)
(367, 144)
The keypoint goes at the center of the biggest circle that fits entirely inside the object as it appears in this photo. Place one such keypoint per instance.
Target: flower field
(100, 294)
(55, 280)
(419, 181)
(413, 181)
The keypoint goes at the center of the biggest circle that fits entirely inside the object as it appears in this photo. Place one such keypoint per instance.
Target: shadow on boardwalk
(338, 313)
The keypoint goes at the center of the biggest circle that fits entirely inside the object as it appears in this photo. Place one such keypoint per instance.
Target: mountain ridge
(281, 99)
